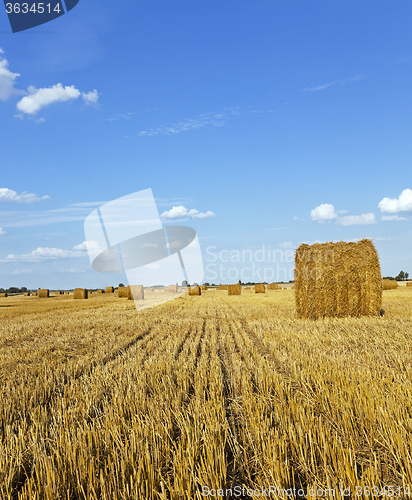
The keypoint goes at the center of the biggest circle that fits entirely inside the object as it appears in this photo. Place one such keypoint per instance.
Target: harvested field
(100, 401)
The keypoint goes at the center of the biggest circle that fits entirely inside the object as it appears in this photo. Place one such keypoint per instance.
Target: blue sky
(283, 122)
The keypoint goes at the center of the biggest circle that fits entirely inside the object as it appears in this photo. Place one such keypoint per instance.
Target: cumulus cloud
(90, 97)
(395, 205)
(2, 231)
(42, 254)
(10, 196)
(88, 245)
(353, 220)
(7, 79)
(393, 217)
(324, 212)
(22, 271)
(39, 98)
(183, 213)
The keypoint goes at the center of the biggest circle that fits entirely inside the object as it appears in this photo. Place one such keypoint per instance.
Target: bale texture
(260, 288)
(58, 292)
(123, 292)
(337, 280)
(34, 294)
(194, 290)
(44, 292)
(172, 288)
(100, 291)
(389, 284)
(203, 287)
(26, 294)
(223, 287)
(136, 292)
(80, 293)
(273, 286)
(3, 294)
(109, 289)
(234, 289)
(409, 283)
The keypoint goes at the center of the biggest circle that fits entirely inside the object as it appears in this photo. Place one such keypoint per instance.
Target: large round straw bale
(172, 288)
(80, 293)
(44, 292)
(58, 292)
(234, 289)
(337, 280)
(222, 287)
(389, 284)
(194, 290)
(100, 291)
(123, 292)
(26, 294)
(3, 294)
(260, 288)
(273, 286)
(109, 289)
(34, 294)
(136, 292)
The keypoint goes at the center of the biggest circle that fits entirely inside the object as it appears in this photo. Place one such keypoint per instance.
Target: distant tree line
(402, 276)
(14, 289)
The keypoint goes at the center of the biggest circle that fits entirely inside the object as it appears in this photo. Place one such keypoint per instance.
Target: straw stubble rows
(102, 402)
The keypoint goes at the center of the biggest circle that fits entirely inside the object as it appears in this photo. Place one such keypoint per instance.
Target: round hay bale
(234, 289)
(136, 292)
(80, 293)
(260, 288)
(43, 293)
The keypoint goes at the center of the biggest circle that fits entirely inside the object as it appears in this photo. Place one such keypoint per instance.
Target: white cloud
(149, 245)
(88, 245)
(42, 254)
(342, 211)
(72, 271)
(10, 196)
(2, 231)
(353, 220)
(213, 119)
(320, 87)
(39, 98)
(183, 213)
(90, 97)
(7, 79)
(40, 120)
(395, 205)
(324, 212)
(286, 244)
(22, 271)
(397, 217)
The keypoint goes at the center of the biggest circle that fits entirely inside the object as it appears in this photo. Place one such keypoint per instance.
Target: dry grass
(136, 292)
(338, 280)
(80, 293)
(389, 284)
(234, 289)
(99, 401)
(123, 291)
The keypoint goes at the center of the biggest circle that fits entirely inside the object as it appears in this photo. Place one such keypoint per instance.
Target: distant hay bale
(34, 294)
(43, 293)
(389, 284)
(337, 280)
(222, 287)
(260, 288)
(123, 292)
(203, 287)
(26, 294)
(66, 293)
(136, 292)
(80, 293)
(3, 294)
(273, 286)
(194, 290)
(234, 289)
(100, 291)
(58, 292)
(109, 289)
(409, 283)
(172, 288)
